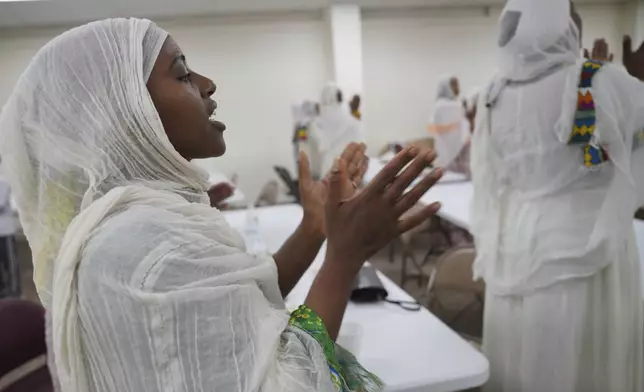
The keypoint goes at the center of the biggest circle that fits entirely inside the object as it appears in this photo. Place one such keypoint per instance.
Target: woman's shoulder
(128, 246)
(121, 242)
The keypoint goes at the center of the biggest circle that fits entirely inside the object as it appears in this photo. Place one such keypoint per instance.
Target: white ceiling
(61, 12)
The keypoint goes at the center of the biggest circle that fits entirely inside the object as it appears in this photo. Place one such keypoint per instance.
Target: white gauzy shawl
(147, 288)
(538, 215)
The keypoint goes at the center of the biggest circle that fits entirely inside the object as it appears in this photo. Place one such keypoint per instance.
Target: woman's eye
(187, 78)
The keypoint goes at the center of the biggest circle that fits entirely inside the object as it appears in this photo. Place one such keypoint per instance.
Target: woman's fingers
(416, 219)
(627, 49)
(402, 182)
(410, 199)
(361, 165)
(363, 169)
(337, 179)
(391, 170)
(304, 169)
(352, 155)
(597, 49)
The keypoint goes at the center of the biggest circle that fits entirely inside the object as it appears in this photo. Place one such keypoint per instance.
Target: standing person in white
(303, 116)
(556, 184)
(448, 124)
(334, 128)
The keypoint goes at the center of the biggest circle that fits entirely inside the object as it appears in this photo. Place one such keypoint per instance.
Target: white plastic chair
(451, 278)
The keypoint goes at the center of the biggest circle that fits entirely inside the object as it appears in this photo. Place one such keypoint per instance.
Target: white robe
(333, 133)
(554, 239)
(334, 128)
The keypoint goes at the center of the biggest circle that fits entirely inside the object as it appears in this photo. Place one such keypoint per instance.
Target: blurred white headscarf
(334, 128)
(304, 113)
(445, 90)
(535, 37)
(333, 120)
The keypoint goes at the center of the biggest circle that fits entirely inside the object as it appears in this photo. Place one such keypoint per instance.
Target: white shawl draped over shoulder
(165, 289)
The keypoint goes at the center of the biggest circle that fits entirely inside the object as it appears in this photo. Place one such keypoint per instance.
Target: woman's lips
(217, 124)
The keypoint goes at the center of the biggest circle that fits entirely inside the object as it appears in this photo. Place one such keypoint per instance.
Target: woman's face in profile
(182, 98)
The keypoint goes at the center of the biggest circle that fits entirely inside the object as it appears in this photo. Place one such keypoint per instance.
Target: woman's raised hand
(360, 226)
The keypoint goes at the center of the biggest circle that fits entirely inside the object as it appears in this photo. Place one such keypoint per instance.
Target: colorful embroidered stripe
(583, 129)
(594, 156)
(302, 134)
(638, 140)
(307, 320)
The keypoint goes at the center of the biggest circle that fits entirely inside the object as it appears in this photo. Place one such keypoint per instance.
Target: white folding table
(410, 351)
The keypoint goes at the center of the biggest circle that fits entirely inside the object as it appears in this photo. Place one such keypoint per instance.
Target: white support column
(345, 27)
(638, 27)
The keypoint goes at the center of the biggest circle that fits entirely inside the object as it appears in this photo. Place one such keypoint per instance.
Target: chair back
(453, 271)
(23, 362)
(452, 293)
(22, 333)
(291, 184)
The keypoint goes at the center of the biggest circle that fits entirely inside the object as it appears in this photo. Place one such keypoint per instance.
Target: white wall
(261, 67)
(405, 54)
(346, 34)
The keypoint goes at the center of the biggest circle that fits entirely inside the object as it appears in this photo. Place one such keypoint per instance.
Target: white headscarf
(62, 154)
(79, 124)
(445, 90)
(535, 37)
(304, 113)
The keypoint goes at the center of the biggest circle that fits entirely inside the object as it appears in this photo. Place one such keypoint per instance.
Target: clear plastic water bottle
(254, 242)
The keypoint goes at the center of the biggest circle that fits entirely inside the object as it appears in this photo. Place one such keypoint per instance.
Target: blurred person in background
(303, 116)
(334, 128)
(461, 163)
(146, 286)
(354, 107)
(219, 193)
(471, 105)
(448, 124)
(557, 178)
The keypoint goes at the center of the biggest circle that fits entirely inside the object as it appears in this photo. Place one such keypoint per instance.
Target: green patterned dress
(346, 373)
